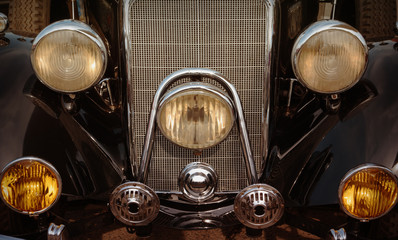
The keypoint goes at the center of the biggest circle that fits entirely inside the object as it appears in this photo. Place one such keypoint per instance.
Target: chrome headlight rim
(315, 29)
(191, 86)
(3, 22)
(46, 164)
(354, 171)
(79, 27)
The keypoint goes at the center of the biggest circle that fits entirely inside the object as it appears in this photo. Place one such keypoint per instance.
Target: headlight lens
(68, 56)
(30, 185)
(3, 22)
(329, 57)
(195, 116)
(368, 192)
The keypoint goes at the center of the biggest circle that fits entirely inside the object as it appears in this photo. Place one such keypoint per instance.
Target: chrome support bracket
(194, 73)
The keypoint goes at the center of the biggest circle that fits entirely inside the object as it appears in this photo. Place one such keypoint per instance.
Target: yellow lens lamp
(30, 185)
(368, 192)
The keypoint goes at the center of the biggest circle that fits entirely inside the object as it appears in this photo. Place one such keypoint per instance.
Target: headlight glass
(3, 22)
(368, 192)
(68, 56)
(195, 116)
(30, 185)
(329, 57)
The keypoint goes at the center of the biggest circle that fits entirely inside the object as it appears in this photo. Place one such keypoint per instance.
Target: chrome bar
(125, 44)
(197, 72)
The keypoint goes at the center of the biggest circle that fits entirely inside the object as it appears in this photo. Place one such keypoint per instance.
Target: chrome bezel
(192, 86)
(355, 170)
(319, 27)
(45, 163)
(198, 168)
(79, 27)
(249, 199)
(123, 193)
(4, 19)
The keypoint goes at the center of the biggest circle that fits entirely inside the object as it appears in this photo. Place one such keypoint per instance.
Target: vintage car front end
(198, 115)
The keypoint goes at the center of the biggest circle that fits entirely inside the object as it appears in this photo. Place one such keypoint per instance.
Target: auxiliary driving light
(259, 206)
(30, 185)
(329, 57)
(195, 115)
(134, 204)
(68, 56)
(368, 192)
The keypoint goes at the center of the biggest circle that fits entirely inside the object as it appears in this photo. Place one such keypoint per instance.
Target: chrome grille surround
(232, 37)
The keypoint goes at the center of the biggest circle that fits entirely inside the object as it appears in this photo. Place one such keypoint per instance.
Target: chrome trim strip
(273, 25)
(355, 170)
(45, 163)
(128, 72)
(200, 72)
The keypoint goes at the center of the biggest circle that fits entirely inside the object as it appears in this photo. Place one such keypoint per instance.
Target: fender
(369, 136)
(35, 122)
(15, 108)
(314, 147)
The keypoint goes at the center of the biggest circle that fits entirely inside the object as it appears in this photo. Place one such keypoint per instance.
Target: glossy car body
(313, 139)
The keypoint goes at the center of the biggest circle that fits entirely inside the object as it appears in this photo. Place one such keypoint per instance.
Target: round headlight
(3, 22)
(329, 57)
(368, 192)
(195, 115)
(30, 185)
(68, 56)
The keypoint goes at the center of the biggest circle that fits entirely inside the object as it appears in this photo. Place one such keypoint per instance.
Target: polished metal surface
(3, 22)
(57, 232)
(80, 27)
(355, 170)
(316, 28)
(45, 163)
(134, 204)
(198, 73)
(232, 37)
(198, 181)
(259, 206)
(338, 234)
(197, 86)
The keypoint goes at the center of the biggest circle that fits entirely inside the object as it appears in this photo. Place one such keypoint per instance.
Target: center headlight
(68, 56)
(195, 115)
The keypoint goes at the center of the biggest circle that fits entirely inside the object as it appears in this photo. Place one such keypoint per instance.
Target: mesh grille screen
(226, 36)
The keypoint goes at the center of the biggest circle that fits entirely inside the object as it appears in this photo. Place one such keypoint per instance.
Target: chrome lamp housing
(69, 56)
(329, 57)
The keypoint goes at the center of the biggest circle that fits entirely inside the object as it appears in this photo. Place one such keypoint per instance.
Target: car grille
(230, 37)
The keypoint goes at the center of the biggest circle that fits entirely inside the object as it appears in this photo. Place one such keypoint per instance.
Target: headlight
(368, 192)
(68, 56)
(30, 185)
(195, 115)
(3, 22)
(329, 57)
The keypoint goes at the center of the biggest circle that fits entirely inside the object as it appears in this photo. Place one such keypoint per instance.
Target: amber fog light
(68, 56)
(368, 192)
(195, 115)
(30, 185)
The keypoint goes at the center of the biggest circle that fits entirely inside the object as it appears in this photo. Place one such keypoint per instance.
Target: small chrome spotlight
(134, 204)
(198, 181)
(259, 206)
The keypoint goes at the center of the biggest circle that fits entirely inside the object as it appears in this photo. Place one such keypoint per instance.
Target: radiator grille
(226, 36)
